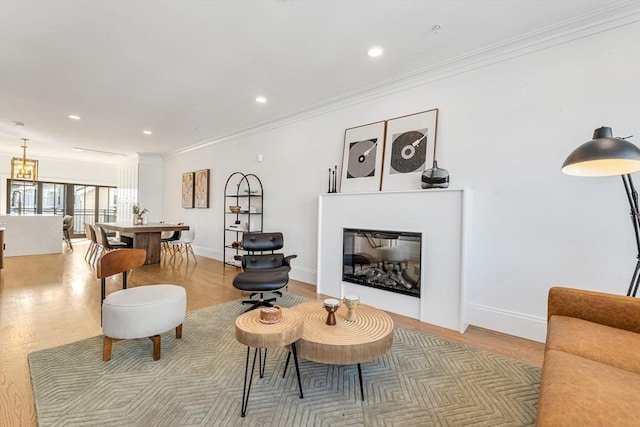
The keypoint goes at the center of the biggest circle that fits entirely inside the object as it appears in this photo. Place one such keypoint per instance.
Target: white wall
(140, 181)
(504, 130)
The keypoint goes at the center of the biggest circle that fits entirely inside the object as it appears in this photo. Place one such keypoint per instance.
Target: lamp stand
(632, 196)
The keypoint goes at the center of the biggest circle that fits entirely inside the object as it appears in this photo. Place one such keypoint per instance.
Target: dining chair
(168, 236)
(183, 244)
(107, 244)
(92, 250)
(67, 224)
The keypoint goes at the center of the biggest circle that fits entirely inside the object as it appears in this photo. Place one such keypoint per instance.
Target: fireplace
(442, 217)
(387, 260)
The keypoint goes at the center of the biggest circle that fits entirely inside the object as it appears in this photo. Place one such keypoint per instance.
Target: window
(107, 204)
(22, 197)
(87, 203)
(53, 197)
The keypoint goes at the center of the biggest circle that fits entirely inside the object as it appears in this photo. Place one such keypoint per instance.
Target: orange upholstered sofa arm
(617, 311)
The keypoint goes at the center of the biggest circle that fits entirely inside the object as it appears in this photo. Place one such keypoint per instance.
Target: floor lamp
(605, 155)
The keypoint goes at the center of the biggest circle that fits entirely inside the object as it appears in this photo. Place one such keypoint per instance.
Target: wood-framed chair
(105, 243)
(92, 251)
(139, 312)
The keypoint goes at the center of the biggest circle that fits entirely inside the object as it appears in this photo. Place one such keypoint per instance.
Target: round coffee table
(347, 342)
(251, 332)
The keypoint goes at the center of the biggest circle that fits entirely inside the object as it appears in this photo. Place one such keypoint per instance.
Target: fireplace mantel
(443, 218)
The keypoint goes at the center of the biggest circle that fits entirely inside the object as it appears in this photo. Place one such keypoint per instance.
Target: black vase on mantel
(435, 177)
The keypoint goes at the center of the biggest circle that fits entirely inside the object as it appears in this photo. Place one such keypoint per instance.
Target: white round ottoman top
(145, 295)
(143, 311)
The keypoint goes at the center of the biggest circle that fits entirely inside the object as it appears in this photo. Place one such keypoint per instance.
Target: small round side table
(252, 332)
(367, 337)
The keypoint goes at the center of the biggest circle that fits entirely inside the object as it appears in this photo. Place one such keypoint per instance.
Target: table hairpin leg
(295, 360)
(360, 378)
(246, 390)
(262, 362)
(286, 365)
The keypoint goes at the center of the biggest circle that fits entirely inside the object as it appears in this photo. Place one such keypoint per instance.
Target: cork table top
(251, 332)
(348, 342)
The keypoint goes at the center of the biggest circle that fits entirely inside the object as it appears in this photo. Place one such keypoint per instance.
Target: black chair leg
(260, 302)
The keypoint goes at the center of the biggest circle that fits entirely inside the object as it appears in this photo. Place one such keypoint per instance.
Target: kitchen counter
(31, 234)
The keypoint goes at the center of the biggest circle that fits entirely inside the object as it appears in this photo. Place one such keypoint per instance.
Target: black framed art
(362, 158)
(409, 149)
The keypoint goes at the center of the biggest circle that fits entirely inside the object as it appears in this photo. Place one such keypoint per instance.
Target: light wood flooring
(50, 300)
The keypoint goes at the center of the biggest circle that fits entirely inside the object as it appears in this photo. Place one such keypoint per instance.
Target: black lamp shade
(604, 155)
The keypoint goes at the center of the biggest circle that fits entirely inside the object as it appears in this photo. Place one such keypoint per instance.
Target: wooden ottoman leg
(106, 348)
(179, 331)
(156, 346)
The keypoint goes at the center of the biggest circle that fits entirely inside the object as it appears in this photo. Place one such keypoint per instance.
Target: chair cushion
(118, 244)
(261, 281)
(262, 241)
(143, 311)
(613, 346)
(575, 391)
(263, 262)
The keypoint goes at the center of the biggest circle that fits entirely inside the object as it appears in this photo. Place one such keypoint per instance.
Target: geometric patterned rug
(422, 381)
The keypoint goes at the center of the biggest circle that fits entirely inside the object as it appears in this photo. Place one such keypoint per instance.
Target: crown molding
(601, 20)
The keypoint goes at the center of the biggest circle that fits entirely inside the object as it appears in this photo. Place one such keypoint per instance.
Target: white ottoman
(143, 311)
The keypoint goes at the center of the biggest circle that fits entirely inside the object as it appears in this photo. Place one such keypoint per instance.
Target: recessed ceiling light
(375, 51)
(261, 99)
(147, 132)
(74, 117)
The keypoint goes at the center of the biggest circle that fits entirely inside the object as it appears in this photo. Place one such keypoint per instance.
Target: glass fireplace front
(388, 260)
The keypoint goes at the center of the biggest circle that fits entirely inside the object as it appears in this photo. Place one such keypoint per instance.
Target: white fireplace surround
(443, 218)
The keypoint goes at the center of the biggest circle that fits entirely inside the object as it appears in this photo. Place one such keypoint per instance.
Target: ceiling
(189, 71)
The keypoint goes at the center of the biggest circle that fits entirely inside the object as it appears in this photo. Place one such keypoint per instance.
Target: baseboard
(301, 274)
(508, 322)
(207, 252)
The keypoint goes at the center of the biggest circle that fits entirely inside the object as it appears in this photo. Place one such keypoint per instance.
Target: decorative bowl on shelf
(234, 209)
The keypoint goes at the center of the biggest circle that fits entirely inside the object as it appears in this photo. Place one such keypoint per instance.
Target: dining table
(143, 236)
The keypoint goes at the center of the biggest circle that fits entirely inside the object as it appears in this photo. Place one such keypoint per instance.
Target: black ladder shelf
(246, 192)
